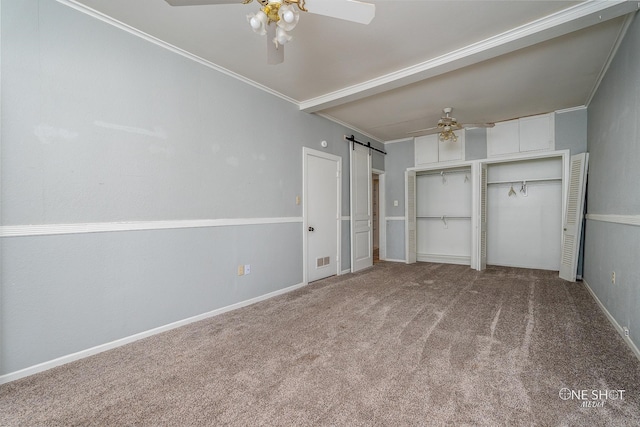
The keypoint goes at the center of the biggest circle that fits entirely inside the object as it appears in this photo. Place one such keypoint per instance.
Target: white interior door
(572, 227)
(410, 216)
(321, 214)
(361, 218)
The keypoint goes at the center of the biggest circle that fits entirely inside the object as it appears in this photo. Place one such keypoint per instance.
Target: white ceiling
(490, 60)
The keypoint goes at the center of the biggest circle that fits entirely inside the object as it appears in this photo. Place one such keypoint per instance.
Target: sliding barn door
(572, 228)
(410, 216)
(361, 230)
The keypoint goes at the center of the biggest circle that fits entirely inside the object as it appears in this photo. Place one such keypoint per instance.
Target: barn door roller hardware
(368, 144)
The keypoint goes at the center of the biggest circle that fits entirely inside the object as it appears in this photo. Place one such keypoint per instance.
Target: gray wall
(99, 125)
(614, 156)
(400, 157)
(475, 146)
(571, 131)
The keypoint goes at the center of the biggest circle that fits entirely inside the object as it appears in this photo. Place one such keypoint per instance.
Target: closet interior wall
(443, 216)
(524, 213)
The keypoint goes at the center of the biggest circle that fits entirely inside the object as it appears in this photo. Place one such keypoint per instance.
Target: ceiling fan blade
(200, 2)
(427, 131)
(275, 54)
(349, 10)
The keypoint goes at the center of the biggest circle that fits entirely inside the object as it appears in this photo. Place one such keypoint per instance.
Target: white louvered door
(572, 228)
(483, 217)
(410, 216)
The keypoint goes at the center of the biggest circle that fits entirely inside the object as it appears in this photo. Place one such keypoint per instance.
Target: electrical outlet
(241, 270)
(613, 277)
(626, 331)
(247, 269)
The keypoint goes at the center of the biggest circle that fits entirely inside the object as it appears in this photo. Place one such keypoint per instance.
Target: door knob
(311, 228)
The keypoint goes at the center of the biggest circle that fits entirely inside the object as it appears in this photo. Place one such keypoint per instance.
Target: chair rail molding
(103, 227)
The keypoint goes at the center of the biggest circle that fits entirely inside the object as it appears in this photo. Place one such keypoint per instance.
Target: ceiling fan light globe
(289, 17)
(282, 36)
(258, 22)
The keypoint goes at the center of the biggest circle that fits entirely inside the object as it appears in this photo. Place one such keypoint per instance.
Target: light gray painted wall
(571, 131)
(68, 293)
(396, 249)
(614, 156)
(400, 157)
(615, 247)
(345, 249)
(475, 146)
(99, 125)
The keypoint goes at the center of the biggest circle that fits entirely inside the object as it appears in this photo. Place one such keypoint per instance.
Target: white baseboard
(395, 260)
(347, 271)
(126, 340)
(613, 321)
(444, 259)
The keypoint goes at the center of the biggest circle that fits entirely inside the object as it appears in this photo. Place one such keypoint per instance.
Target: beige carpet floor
(424, 344)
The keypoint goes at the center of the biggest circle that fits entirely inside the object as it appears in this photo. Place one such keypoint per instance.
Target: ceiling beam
(566, 21)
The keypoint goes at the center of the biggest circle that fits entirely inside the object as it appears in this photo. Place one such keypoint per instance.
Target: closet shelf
(446, 172)
(513, 181)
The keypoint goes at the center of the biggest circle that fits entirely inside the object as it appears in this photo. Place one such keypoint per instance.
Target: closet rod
(468, 171)
(514, 181)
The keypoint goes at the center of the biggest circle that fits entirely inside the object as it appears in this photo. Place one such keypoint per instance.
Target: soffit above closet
(396, 74)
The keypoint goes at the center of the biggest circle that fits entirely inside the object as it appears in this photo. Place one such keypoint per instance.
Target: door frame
(306, 153)
(382, 222)
(564, 155)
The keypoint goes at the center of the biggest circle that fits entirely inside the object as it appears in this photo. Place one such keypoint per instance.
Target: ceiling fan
(447, 125)
(284, 15)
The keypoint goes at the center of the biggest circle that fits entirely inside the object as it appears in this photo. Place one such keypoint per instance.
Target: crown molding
(394, 141)
(571, 109)
(348, 126)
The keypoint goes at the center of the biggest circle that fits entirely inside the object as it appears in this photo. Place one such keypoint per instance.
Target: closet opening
(444, 215)
(377, 212)
(524, 213)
